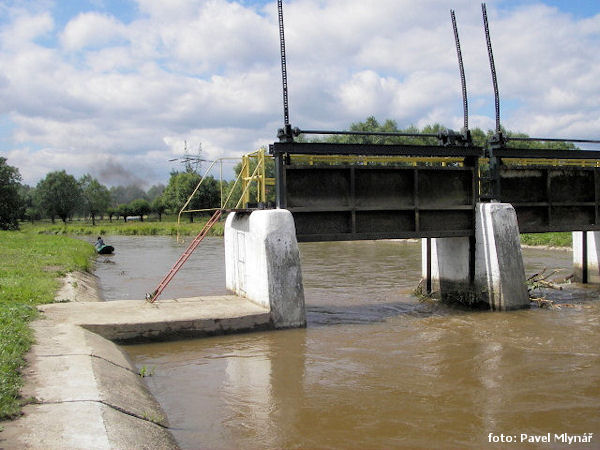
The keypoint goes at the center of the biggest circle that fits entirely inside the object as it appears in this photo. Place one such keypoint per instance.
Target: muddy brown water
(375, 368)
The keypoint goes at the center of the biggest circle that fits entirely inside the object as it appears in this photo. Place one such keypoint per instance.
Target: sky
(118, 88)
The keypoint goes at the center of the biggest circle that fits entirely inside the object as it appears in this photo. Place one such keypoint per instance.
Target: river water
(375, 368)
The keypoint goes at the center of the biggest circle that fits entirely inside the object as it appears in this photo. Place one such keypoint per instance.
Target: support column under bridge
(586, 256)
(491, 273)
(262, 263)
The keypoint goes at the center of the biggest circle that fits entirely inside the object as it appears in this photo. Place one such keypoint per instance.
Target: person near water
(99, 243)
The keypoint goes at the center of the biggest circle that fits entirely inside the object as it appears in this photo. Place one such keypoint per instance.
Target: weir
(487, 269)
(468, 203)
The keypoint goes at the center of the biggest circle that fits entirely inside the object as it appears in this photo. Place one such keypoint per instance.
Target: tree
(154, 192)
(125, 194)
(112, 211)
(10, 200)
(123, 210)
(59, 194)
(158, 206)
(96, 197)
(139, 207)
(29, 209)
(480, 138)
(180, 187)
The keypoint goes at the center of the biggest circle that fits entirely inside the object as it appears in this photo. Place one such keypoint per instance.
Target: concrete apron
(499, 275)
(86, 393)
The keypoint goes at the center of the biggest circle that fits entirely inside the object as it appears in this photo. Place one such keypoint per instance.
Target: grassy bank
(548, 239)
(119, 227)
(30, 264)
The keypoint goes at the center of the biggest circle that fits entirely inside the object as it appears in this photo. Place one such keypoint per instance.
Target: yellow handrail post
(263, 177)
(245, 193)
(221, 182)
(245, 179)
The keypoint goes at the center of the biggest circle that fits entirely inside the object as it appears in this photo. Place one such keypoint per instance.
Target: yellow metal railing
(246, 178)
(259, 176)
(550, 162)
(359, 159)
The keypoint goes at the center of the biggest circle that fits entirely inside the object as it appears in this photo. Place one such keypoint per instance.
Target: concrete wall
(450, 264)
(262, 263)
(499, 277)
(590, 260)
(499, 270)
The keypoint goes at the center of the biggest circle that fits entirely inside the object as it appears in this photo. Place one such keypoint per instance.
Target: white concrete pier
(586, 256)
(262, 263)
(493, 274)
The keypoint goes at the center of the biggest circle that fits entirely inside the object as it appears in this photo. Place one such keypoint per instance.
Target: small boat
(105, 250)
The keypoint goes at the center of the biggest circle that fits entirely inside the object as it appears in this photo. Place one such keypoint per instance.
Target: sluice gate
(563, 196)
(389, 200)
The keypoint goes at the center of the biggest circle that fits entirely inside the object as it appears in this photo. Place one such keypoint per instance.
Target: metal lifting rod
(286, 113)
(492, 68)
(461, 67)
(497, 141)
(583, 141)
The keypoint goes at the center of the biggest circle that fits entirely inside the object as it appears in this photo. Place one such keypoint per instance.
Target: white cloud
(24, 28)
(91, 30)
(129, 94)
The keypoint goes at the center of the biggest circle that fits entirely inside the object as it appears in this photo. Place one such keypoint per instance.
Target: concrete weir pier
(586, 256)
(262, 263)
(492, 272)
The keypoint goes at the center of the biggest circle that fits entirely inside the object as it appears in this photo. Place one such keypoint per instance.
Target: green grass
(119, 227)
(30, 264)
(562, 239)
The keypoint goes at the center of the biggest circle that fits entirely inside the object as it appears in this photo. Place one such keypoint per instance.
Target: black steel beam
(582, 141)
(280, 182)
(556, 228)
(545, 153)
(370, 133)
(325, 237)
(319, 148)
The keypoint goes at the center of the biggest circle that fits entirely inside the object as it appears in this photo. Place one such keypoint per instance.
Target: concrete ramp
(137, 320)
(83, 390)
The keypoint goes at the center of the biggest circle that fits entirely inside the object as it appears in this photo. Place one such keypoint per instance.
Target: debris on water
(422, 295)
(550, 304)
(540, 280)
(570, 278)
(544, 302)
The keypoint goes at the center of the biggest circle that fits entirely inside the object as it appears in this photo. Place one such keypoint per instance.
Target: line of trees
(60, 195)
(480, 137)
